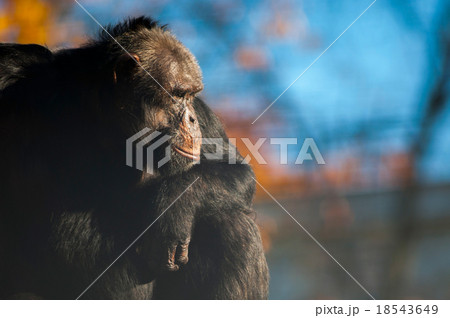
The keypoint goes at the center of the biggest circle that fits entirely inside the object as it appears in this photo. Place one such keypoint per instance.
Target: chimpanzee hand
(174, 255)
(166, 245)
(166, 255)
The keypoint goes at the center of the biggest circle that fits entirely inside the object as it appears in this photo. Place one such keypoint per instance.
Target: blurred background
(376, 104)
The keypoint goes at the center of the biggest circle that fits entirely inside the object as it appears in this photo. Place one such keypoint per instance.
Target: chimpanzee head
(156, 80)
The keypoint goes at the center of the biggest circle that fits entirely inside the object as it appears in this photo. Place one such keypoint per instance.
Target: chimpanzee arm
(213, 218)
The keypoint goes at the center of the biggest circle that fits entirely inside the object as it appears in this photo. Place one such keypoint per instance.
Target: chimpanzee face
(158, 81)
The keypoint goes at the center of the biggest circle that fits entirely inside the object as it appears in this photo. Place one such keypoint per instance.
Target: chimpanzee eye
(179, 93)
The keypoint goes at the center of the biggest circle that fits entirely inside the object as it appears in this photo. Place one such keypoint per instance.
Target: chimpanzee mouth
(187, 154)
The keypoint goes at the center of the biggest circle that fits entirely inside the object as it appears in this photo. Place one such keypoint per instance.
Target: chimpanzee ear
(124, 64)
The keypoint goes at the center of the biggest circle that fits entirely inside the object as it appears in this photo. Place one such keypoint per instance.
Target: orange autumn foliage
(30, 19)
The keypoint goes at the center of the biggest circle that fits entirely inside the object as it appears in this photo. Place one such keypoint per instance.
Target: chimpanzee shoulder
(17, 59)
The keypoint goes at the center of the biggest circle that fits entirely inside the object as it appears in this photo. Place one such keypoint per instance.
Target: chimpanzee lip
(187, 154)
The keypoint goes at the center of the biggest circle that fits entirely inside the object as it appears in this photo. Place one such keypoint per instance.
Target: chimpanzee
(75, 220)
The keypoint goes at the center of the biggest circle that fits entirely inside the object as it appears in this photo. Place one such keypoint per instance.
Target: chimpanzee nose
(189, 134)
(190, 122)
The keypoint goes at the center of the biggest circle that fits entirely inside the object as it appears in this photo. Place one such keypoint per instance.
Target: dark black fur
(70, 206)
(15, 58)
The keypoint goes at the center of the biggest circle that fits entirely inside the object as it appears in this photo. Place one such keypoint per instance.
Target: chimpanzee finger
(169, 258)
(181, 256)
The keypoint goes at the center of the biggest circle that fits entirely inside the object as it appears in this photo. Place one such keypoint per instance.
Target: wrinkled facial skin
(162, 78)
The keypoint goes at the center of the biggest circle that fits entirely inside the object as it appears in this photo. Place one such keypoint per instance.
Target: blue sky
(373, 81)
